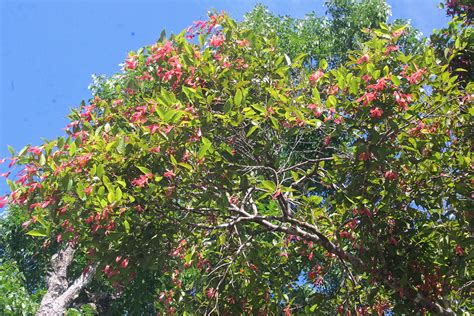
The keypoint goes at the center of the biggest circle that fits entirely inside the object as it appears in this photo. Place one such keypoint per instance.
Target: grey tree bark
(61, 293)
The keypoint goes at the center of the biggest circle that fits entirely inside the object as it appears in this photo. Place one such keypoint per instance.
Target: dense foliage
(241, 181)
(331, 36)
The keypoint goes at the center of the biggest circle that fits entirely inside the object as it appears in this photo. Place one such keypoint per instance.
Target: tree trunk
(60, 293)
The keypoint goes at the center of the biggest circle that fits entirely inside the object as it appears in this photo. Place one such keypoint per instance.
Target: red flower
(393, 241)
(314, 78)
(376, 113)
(344, 234)
(364, 156)
(390, 175)
(327, 140)
(458, 250)
(363, 59)
(216, 40)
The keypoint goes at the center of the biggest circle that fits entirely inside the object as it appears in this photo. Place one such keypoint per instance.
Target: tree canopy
(243, 181)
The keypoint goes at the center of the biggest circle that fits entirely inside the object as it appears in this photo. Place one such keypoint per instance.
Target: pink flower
(376, 113)
(276, 194)
(397, 34)
(211, 293)
(169, 174)
(217, 40)
(243, 42)
(124, 263)
(415, 77)
(363, 59)
(117, 102)
(3, 201)
(402, 99)
(316, 109)
(6, 174)
(12, 162)
(153, 128)
(45, 203)
(380, 85)
(155, 150)
(35, 150)
(142, 180)
(314, 78)
(131, 63)
(390, 49)
(72, 124)
(367, 98)
(366, 78)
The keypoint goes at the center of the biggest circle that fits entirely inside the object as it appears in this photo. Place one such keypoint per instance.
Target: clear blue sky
(50, 49)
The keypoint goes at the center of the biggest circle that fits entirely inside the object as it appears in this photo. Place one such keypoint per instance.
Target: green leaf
(100, 171)
(111, 196)
(11, 150)
(270, 185)
(251, 130)
(395, 80)
(42, 160)
(118, 194)
(36, 233)
(238, 97)
(332, 101)
(323, 64)
(145, 170)
(126, 225)
(206, 144)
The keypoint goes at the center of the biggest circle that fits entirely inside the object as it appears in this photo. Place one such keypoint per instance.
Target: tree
(332, 36)
(190, 165)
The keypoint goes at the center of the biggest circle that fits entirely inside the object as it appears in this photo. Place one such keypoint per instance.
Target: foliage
(14, 297)
(328, 37)
(454, 43)
(194, 165)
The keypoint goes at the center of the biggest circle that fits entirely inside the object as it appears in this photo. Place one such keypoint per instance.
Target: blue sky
(50, 49)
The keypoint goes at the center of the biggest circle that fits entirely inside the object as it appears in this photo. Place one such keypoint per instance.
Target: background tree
(331, 36)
